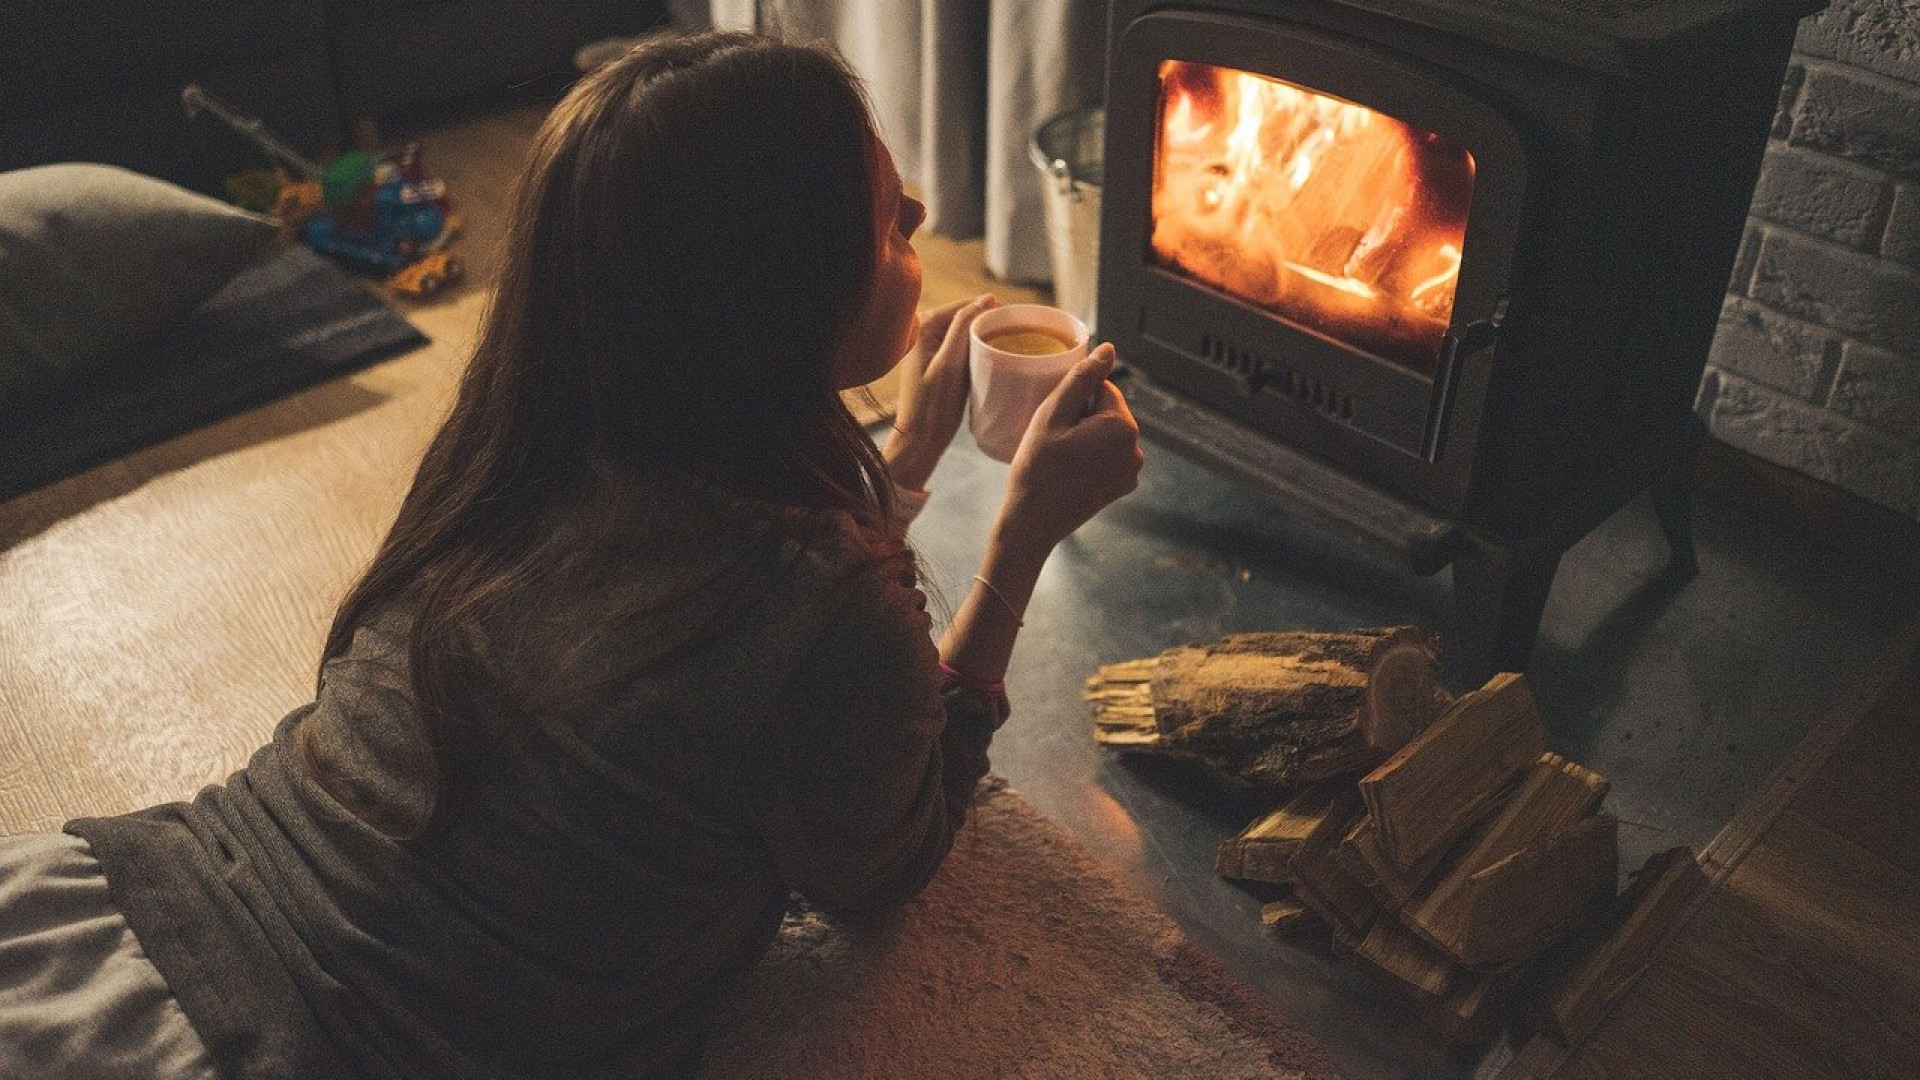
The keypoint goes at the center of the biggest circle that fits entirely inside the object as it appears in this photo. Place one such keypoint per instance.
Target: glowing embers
(1332, 215)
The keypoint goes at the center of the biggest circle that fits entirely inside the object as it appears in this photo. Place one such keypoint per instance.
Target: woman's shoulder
(826, 543)
(668, 561)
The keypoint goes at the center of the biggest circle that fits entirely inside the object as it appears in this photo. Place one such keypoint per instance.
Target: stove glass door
(1329, 214)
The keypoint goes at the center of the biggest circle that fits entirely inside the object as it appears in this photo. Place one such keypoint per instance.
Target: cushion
(94, 258)
(288, 321)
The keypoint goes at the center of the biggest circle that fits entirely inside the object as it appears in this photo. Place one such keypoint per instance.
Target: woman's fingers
(1080, 392)
(1109, 419)
(1081, 452)
(938, 327)
(1109, 399)
(1115, 413)
(954, 346)
(934, 321)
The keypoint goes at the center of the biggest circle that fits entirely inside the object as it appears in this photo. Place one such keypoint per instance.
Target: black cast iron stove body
(1444, 272)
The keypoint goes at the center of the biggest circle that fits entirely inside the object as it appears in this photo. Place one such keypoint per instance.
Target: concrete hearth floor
(1685, 696)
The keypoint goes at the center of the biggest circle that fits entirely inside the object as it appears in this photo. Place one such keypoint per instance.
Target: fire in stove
(1333, 216)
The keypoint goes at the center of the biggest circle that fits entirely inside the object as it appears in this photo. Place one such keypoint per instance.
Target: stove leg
(1673, 503)
(1499, 593)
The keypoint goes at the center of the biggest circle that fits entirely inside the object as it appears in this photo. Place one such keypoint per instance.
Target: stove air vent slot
(1256, 372)
(1245, 364)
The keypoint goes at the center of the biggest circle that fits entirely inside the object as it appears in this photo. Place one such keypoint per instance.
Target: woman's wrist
(980, 641)
(1015, 539)
(909, 465)
(1012, 565)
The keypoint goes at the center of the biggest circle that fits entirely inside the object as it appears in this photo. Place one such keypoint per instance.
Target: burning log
(1274, 711)
(1321, 210)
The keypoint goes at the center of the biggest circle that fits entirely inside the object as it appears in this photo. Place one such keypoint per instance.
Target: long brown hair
(687, 246)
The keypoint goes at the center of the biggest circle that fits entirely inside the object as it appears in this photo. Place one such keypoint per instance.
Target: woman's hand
(1080, 452)
(933, 391)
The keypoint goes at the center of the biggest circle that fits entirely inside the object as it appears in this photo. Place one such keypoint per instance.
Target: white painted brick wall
(1816, 365)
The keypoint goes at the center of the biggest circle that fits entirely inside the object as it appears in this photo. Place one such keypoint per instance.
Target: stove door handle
(1475, 336)
(1471, 338)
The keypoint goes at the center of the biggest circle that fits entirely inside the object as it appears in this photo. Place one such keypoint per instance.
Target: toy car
(427, 275)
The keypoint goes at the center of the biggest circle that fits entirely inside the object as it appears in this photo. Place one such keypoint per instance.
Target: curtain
(958, 89)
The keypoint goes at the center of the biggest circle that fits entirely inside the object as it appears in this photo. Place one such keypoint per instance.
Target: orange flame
(1326, 212)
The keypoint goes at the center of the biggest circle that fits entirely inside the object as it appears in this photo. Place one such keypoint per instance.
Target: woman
(641, 653)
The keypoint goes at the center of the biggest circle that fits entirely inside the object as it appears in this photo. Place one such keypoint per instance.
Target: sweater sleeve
(872, 767)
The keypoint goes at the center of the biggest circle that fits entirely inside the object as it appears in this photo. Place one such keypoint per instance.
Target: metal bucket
(1070, 153)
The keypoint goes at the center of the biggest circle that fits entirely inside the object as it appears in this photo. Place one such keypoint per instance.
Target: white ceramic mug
(1007, 387)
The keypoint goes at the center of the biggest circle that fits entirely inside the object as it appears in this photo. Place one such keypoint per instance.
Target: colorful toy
(376, 213)
(427, 275)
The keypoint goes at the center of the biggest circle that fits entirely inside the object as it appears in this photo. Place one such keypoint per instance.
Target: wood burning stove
(1441, 271)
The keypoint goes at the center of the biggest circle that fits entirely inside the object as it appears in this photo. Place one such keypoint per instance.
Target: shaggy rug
(1025, 958)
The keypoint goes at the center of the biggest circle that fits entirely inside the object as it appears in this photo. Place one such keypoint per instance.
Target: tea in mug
(1025, 342)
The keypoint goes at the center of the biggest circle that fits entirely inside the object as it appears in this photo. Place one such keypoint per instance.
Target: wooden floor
(159, 613)
(1802, 959)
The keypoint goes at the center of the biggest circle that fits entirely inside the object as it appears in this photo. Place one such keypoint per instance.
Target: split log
(1449, 868)
(1411, 965)
(1359, 855)
(1624, 942)
(1472, 1012)
(1341, 901)
(1514, 909)
(1263, 850)
(1346, 855)
(1273, 711)
(1287, 916)
(1465, 1006)
(1550, 798)
(1437, 785)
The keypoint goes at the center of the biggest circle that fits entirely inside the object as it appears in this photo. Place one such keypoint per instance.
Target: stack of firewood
(1438, 839)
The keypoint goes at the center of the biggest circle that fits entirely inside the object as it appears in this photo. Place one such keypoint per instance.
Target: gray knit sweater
(696, 704)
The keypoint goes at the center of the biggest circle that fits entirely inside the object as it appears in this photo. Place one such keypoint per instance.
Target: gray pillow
(93, 258)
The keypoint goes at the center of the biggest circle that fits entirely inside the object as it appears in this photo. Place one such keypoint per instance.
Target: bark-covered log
(1275, 710)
